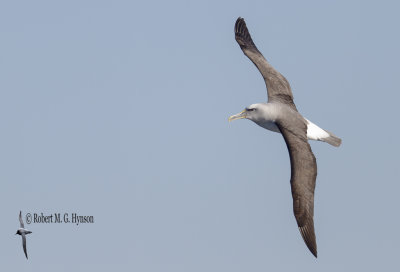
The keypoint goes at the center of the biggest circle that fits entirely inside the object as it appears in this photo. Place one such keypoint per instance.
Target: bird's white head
(255, 112)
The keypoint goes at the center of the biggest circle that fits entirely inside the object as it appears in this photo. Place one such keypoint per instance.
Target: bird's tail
(316, 133)
(332, 139)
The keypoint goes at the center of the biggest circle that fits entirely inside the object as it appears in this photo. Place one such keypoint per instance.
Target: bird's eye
(251, 109)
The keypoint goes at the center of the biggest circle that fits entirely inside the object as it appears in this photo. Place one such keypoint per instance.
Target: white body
(314, 132)
(267, 113)
(23, 231)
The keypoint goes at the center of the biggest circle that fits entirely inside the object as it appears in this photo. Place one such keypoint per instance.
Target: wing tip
(240, 27)
(239, 20)
(242, 34)
(308, 234)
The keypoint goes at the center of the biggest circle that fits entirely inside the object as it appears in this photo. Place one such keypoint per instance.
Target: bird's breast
(270, 125)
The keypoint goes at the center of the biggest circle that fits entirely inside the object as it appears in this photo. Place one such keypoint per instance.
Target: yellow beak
(240, 115)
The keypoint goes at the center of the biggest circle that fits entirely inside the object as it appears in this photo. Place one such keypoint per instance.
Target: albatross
(23, 232)
(280, 115)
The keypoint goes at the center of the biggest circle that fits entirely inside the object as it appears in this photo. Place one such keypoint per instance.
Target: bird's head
(253, 112)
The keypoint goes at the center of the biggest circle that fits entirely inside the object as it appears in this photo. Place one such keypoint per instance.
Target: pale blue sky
(118, 109)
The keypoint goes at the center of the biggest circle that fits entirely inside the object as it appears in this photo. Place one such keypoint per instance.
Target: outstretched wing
(303, 176)
(21, 222)
(277, 86)
(24, 244)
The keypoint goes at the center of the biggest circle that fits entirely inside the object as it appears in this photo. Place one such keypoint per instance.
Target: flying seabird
(280, 115)
(22, 231)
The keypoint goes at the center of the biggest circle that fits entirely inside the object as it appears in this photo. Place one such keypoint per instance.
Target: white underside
(270, 125)
(314, 132)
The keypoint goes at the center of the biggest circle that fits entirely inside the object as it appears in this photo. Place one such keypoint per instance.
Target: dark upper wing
(21, 222)
(277, 85)
(24, 244)
(304, 174)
